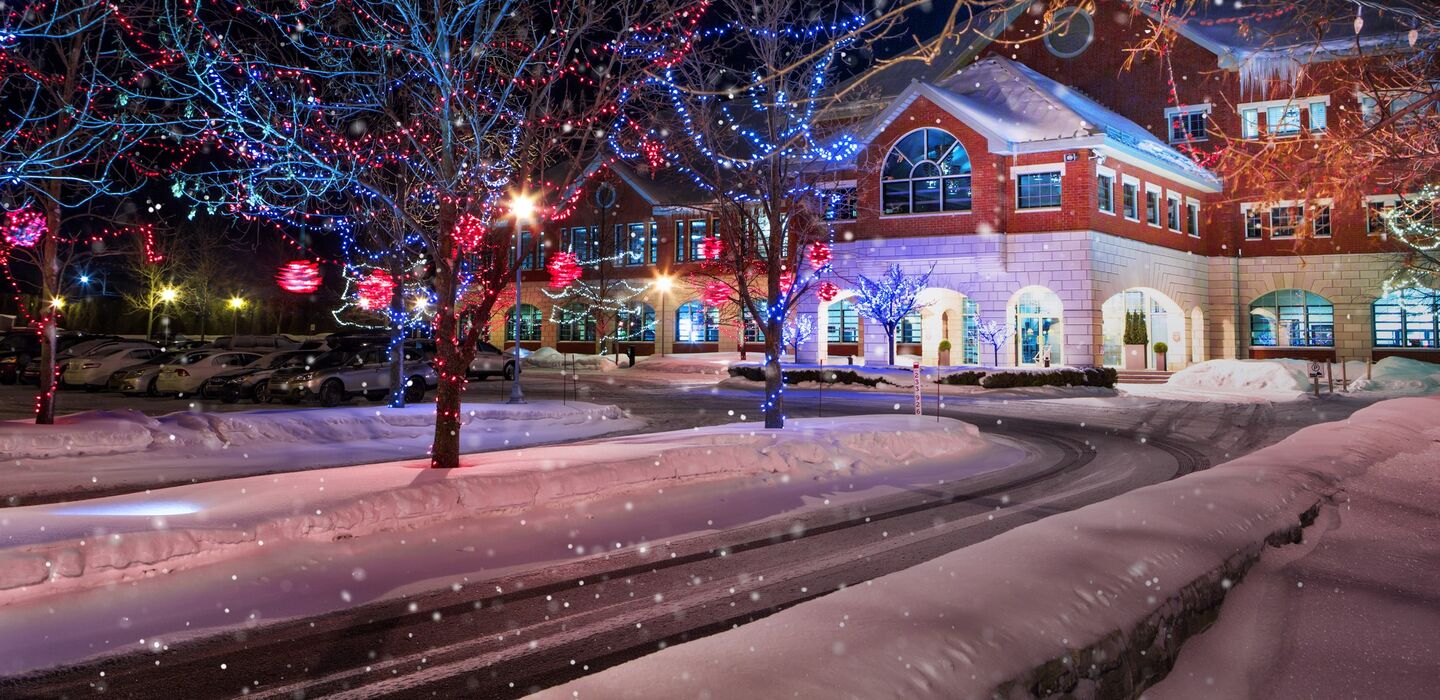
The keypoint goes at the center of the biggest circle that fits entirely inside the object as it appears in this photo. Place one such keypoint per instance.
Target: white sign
(1315, 369)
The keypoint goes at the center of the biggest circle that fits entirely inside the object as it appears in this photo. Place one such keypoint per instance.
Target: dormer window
(1188, 123)
(927, 171)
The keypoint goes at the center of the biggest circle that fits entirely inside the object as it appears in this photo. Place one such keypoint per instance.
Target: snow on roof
(1009, 102)
(1272, 25)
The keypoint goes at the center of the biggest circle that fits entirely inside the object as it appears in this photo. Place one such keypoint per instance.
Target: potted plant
(1160, 350)
(1136, 338)
(945, 353)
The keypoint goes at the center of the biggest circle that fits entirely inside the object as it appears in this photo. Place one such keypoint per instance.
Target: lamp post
(166, 295)
(662, 283)
(522, 207)
(236, 304)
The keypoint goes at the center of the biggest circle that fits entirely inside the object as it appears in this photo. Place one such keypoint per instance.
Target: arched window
(576, 322)
(754, 330)
(909, 329)
(842, 325)
(1292, 318)
(697, 323)
(1407, 318)
(636, 323)
(529, 323)
(926, 171)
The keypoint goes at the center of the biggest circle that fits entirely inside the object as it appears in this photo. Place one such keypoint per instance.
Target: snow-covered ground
(50, 548)
(109, 450)
(550, 358)
(1096, 578)
(1249, 381)
(705, 363)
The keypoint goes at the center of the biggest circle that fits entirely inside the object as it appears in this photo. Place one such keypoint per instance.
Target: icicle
(1414, 36)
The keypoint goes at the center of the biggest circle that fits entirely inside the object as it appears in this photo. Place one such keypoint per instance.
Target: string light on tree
(24, 227)
(564, 269)
(375, 290)
(299, 276)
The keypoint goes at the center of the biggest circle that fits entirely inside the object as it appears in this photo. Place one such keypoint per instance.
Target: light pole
(236, 304)
(522, 207)
(662, 283)
(166, 296)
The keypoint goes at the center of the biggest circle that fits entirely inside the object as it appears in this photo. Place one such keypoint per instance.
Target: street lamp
(57, 303)
(167, 295)
(662, 283)
(522, 207)
(236, 304)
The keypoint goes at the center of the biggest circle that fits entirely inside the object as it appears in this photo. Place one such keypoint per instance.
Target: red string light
(24, 227)
(715, 294)
(375, 290)
(564, 268)
(827, 291)
(299, 276)
(711, 247)
(819, 255)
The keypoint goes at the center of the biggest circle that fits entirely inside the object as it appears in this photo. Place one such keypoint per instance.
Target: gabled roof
(1021, 111)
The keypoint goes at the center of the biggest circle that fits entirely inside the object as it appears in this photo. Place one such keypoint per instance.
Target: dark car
(253, 382)
(20, 347)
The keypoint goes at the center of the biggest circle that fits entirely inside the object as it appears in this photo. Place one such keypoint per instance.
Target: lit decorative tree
(743, 122)
(798, 331)
(1414, 224)
(996, 335)
(890, 299)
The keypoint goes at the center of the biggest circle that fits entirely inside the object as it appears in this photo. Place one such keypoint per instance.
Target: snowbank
(550, 358)
(57, 547)
(1272, 376)
(714, 363)
(109, 450)
(1395, 375)
(1082, 603)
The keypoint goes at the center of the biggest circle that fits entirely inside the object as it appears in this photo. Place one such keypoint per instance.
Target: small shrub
(945, 345)
(966, 378)
(798, 376)
(1162, 348)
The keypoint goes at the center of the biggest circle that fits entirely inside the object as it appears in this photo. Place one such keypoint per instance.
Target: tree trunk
(445, 448)
(50, 316)
(397, 338)
(774, 376)
(890, 343)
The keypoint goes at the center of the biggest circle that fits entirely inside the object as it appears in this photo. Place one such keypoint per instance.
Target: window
(1132, 200)
(1192, 217)
(1283, 120)
(1317, 116)
(697, 323)
(1037, 190)
(1283, 221)
(584, 244)
(576, 322)
(1069, 33)
(841, 204)
(754, 330)
(1292, 318)
(1375, 208)
(632, 241)
(1250, 123)
(1376, 108)
(842, 325)
(926, 171)
(1152, 205)
(688, 235)
(1105, 192)
(529, 323)
(1407, 318)
(532, 257)
(1172, 211)
(1320, 225)
(1254, 224)
(636, 323)
(909, 330)
(1188, 123)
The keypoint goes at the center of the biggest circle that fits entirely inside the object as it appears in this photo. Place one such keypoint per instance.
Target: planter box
(1161, 362)
(1134, 357)
(944, 358)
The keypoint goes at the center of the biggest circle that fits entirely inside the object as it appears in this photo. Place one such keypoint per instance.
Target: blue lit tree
(744, 121)
(890, 299)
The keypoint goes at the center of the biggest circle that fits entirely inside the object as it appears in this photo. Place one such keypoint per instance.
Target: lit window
(1375, 210)
(688, 235)
(909, 330)
(1188, 124)
(697, 323)
(575, 322)
(1152, 206)
(636, 323)
(1172, 212)
(1105, 193)
(1317, 116)
(842, 325)
(928, 170)
(1037, 190)
(1322, 221)
(754, 330)
(1283, 221)
(841, 204)
(529, 323)
(1192, 217)
(583, 244)
(631, 240)
(1250, 123)
(1254, 224)
(1132, 201)
(1407, 318)
(1292, 318)
(1283, 120)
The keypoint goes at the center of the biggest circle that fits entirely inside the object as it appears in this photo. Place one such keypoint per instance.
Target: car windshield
(287, 359)
(329, 359)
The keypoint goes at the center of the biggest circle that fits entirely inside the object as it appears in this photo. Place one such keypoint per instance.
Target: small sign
(915, 369)
(1071, 157)
(1315, 371)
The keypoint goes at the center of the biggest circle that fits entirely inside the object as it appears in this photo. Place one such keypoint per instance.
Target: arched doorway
(839, 329)
(946, 315)
(1039, 318)
(1164, 322)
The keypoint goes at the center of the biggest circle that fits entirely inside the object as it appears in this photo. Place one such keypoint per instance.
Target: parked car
(186, 379)
(490, 361)
(92, 371)
(253, 381)
(258, 343)
(79, 353)
(19, 347)
(338, 375)
(140, 379)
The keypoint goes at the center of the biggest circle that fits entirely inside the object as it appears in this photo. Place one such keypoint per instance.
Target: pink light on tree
(299, 276)
(376, 289)
(24, 227)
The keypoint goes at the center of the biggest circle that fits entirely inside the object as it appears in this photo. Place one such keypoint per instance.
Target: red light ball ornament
(24, 227)
(787, 280)
(469, 233)
(715, 294)
(564, 268)
(827, 291)
(711, 248)
(299, 276)
(819, 254)
(376, 289)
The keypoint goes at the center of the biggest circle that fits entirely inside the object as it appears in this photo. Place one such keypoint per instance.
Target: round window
(1070, 32)
(605, 195)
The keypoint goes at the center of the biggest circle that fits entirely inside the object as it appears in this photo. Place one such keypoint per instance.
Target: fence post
(1330, 375)
(1344, 377)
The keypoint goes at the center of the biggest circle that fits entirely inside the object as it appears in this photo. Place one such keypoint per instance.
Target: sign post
(1315, 374)
(915, 371)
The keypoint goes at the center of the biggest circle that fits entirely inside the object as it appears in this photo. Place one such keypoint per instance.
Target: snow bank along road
(531, 627)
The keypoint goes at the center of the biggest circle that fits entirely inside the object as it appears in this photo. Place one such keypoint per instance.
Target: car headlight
(8, 360)
(303, 377)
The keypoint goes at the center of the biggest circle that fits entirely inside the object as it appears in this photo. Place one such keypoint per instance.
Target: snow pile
(1397, 375)
(1057, 603)
(50, 548)
(712, 363)
(1272, 376)
(550, 358)
(110, 450)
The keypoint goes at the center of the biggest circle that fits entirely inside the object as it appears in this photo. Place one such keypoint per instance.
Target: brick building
(1042, 184)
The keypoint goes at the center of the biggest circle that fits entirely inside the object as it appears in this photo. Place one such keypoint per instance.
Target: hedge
(797, 376)
(1008, 379)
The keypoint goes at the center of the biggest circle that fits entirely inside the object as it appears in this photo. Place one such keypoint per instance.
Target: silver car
(338, 375)
(491, 361)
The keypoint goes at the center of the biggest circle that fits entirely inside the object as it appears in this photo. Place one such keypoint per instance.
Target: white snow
(52, 548)
(106, 450)
(712, 363)
(961, 624)
(1285, 379)
(550, 358)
